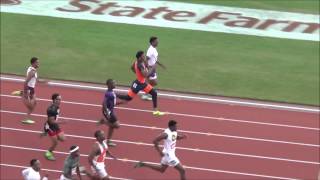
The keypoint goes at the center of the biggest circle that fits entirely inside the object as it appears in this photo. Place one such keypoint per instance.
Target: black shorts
(137, 86)
(109, 115)
(30, 92)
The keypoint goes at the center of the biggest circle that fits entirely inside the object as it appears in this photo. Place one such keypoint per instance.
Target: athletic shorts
(153, 75)
(30, 92)
(137, 86)
(109, 115)
(101, 170)
(52, 129)
(170, 160)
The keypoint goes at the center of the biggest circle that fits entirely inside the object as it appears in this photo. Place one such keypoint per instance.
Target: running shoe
(158, 113)
(49, 156)
(28, 121)
(42, 134)
(139, 164)
(16, 93)
(146, 97)
(100, 122)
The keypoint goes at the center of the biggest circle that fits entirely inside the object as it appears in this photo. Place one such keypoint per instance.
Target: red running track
(224, 141)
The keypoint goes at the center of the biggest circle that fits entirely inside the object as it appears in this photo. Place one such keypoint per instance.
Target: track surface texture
(225, 140)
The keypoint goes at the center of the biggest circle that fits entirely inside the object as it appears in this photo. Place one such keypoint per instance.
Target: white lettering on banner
(178, 15)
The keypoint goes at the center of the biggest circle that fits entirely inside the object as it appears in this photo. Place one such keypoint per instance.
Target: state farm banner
(176, 15)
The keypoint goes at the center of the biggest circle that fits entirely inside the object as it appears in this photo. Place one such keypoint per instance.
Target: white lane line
(182, 148)
(216, 100)
(49, 170)
(180, 114)
(187, 167)
(184, 131)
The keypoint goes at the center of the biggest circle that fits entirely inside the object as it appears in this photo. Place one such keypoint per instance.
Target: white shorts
(170, 160)
(100, 170)
(153, 76)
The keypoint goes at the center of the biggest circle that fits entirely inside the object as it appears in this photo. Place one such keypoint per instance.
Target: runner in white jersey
(97, 156)
(33, 172)
(28, 93)
(170, 137)
(152, 60)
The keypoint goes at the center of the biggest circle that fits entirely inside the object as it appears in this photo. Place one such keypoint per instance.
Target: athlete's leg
(112, 126)
(160, 168)
(153, 82)
(61, 137)
(154, 95)
(54, 142)
(181, 170)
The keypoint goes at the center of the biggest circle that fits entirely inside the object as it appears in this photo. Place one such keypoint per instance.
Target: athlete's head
(74, 151)
(140, 56)
(35, 164)
(56, 99)
(34, 62)
(99, 135)
(111, 84)
(154, 41)
(172, 124)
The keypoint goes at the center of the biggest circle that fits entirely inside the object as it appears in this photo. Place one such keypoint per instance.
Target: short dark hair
(172, 123)
(109, 81)
(152, 38)
(96, 134)
(139, 54)
(33, 161)
(73, 147)
(54, 96)
(33, 60)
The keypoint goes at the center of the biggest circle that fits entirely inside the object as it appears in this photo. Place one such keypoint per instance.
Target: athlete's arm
(95, 151)
(28, 78)
(157, 140)
(181, 136)
(144, 71)
(162, 65)
(78, 172)
(132, 68)
(25, 173)
(25, 85)
(109, 154)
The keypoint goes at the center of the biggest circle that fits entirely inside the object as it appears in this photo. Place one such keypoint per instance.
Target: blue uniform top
(110, 100)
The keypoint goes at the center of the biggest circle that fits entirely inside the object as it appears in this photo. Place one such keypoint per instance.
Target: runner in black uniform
(51, 127)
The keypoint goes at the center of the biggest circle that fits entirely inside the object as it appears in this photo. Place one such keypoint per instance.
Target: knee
(55, 142)
(115, 126)
(153, 92)
(61, 138)
(155, 83)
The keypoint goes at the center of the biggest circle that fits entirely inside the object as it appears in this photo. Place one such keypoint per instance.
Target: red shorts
(54, 133)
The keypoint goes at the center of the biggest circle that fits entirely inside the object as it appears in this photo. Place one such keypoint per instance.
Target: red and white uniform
(98, 161)
(169, 149)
